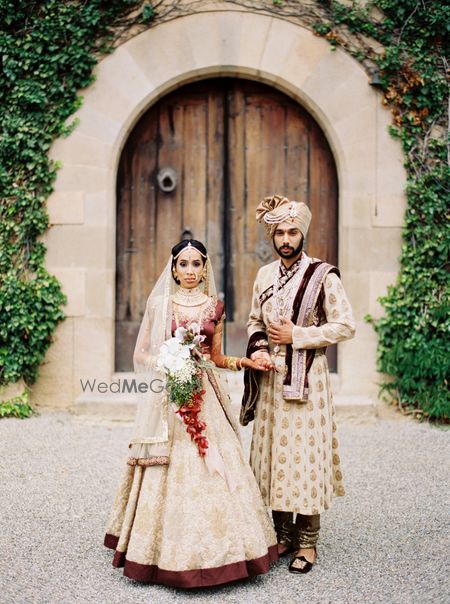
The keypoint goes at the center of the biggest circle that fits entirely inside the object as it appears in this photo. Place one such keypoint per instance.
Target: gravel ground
(387, 541)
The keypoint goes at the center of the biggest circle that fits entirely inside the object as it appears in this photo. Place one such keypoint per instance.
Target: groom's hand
(281, 333)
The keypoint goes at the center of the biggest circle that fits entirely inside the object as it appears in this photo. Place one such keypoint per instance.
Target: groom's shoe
(299, 564)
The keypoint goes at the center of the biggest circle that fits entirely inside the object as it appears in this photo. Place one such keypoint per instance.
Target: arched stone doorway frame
(332, 86)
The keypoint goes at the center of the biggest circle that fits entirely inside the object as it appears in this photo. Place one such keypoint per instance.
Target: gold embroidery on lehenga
(145, 462)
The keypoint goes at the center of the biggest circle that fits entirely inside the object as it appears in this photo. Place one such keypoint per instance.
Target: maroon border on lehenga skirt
(203, 577)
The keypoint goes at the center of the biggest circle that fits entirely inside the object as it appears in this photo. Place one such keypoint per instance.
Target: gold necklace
(189, 297)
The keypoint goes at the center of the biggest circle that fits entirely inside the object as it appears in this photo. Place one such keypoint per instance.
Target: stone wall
(329, 84)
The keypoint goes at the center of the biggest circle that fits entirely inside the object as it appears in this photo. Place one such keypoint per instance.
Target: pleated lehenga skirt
(180, 525)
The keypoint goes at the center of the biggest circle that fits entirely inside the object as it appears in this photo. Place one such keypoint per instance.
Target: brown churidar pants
(301, 534)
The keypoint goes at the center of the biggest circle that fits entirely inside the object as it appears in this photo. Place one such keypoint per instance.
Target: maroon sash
(307, 310)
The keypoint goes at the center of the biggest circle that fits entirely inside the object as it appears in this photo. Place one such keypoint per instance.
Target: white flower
(173, 346)
(180, 333)
(173, 356)
(195, 328)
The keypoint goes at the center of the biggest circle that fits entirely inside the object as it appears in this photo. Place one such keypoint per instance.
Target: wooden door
(229, 143)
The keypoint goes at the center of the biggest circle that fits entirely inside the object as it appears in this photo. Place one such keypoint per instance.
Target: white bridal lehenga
(180, 519)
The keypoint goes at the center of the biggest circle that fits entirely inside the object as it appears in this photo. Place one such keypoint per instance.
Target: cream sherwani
(294, 451)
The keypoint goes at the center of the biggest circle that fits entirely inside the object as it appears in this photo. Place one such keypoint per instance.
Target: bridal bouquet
(181, 360)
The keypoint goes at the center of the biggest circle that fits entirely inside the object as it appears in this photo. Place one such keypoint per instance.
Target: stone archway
(334, 89)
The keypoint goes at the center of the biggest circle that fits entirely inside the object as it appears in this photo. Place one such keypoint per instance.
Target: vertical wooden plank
(296, 153)
(236, 204)
(170, 154)
(214, 221)
(122, 218)
(142, 266)
(322, 239)
(194, 164)
(134, 215)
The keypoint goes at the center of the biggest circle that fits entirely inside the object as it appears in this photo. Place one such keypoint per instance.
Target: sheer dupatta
(150, 435)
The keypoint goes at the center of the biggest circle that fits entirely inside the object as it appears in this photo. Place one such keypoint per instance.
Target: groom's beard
(287, 251)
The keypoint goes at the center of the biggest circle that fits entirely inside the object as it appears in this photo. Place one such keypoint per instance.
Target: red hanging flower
(189, 413)
(181, 360)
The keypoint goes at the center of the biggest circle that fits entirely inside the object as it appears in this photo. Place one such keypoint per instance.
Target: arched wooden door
(229, 143)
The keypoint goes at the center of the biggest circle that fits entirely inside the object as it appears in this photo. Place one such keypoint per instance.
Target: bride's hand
(263, 360)
(257, 364)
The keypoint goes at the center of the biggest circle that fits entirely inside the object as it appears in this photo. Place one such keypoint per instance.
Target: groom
(299, 307)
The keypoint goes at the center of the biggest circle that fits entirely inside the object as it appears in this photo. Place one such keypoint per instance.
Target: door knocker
(167, 179)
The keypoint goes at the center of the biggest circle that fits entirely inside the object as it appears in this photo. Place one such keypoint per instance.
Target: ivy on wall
(412, 70)
(404, 45)
(48, 51)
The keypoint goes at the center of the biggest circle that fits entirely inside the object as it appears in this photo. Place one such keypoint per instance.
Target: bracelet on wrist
(234, 363)
(240, 364)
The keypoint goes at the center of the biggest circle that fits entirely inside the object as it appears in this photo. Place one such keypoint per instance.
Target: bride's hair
(179, 247)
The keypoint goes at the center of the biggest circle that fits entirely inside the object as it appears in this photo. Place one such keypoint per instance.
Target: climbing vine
(404, 45)
(48, 51)
(412, 71)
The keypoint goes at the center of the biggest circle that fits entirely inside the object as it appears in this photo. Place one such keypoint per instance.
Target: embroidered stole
(307, 311)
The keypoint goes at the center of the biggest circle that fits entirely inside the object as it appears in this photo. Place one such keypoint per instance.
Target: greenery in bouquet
(181, 360)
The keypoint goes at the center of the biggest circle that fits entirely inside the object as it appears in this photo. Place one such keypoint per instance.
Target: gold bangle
(231, 363)
(240, 365)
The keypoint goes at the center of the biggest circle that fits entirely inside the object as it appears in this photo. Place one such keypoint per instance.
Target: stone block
(357, 288)
(214, 38)
(94, 179)
(357, 132)
(370, 249)
(97, 123)
(66, 207)
(338, 84)
(120, 83)
(81, 149)
(389, 210)
(100, 293)
(73, 246)
(93, 350)
(379, 283)
(73, 285)
(165, 52)
(100, 208)
(54, 387)
(299, 54)
(355, 208)
(357, 362)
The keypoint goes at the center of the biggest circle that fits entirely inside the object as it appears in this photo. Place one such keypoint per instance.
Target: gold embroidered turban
(276, 209)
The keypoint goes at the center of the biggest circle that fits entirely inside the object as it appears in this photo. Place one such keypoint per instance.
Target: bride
(186, 516)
